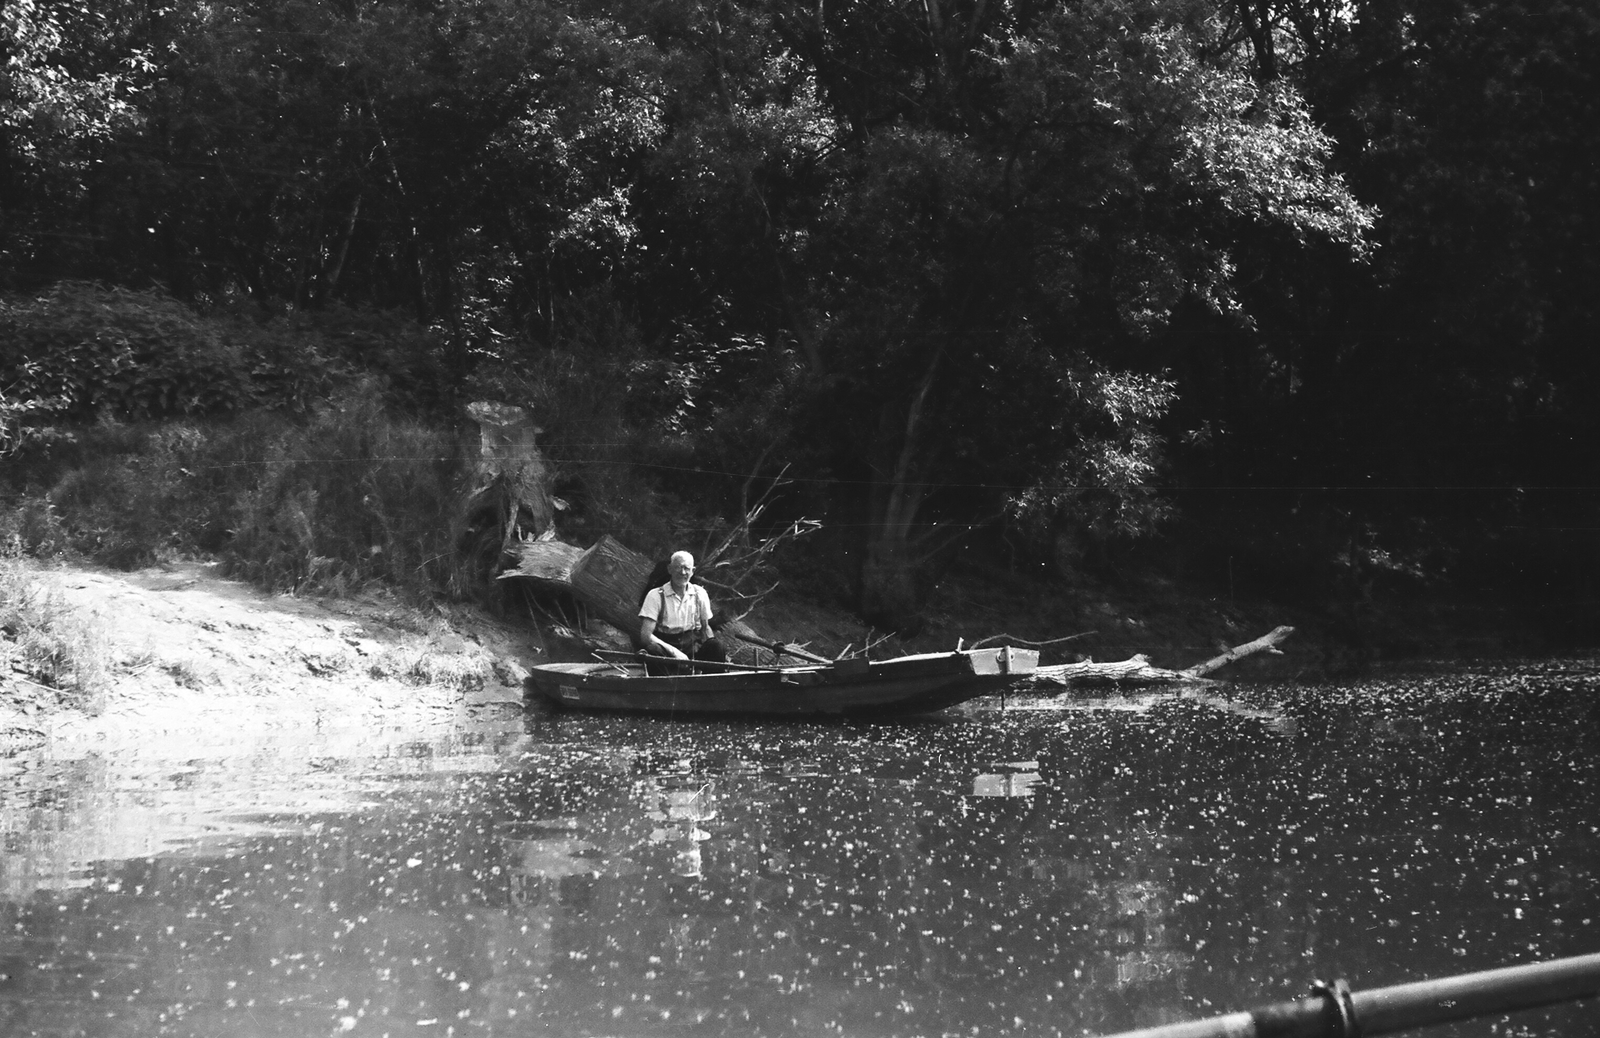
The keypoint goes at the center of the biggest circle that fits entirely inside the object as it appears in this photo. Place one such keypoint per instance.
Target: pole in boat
(767, 643)
(1338, 1012)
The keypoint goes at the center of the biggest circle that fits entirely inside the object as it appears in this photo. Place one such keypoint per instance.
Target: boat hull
(909, 684)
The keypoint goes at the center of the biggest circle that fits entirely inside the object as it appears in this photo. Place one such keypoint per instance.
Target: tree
(1010, 205)
(450, 158)
(71, 75)
(1440, 380)
(943, 239)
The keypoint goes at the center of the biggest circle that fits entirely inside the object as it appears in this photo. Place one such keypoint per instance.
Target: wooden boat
(907, 684)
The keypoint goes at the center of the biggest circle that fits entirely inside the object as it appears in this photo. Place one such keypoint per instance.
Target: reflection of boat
(908, 684)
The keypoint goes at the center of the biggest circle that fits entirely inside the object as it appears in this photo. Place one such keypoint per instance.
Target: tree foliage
(954, 263)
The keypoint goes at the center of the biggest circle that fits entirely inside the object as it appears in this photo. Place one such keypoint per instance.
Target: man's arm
(706, 633)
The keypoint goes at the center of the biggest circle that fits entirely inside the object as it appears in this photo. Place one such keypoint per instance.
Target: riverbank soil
(191, 654)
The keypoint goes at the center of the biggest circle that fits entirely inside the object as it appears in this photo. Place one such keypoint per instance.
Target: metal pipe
(1405, 1006)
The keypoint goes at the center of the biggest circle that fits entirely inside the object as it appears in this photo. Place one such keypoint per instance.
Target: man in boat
(675, 619)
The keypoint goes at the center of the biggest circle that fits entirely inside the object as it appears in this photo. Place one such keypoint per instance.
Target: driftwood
(1139, 671)
(1135, 670)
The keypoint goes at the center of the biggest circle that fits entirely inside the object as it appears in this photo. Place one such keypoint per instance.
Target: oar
(790, 650)
(635, 657)
(1340, 1013)
(599, 654)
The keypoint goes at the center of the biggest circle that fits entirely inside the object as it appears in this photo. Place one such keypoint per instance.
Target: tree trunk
(331, 281)
(889, 569)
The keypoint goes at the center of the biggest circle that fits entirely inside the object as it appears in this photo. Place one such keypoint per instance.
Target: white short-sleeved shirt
(675, 613)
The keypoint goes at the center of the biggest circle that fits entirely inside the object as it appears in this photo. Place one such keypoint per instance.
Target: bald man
(675, 618)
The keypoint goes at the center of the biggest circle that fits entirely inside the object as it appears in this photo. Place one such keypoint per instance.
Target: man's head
(681, 567)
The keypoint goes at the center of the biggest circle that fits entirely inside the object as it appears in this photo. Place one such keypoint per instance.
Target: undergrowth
(355, 496)
(47, 643)
(328, 503)
(135, 430)
(312, 454)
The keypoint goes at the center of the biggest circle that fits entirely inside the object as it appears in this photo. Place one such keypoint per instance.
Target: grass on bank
(348, 496)
(47, 644)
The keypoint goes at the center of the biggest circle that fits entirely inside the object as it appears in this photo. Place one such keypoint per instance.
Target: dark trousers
(711, 651)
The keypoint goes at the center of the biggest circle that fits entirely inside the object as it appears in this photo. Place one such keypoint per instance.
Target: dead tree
(510, 499)
(512, 476)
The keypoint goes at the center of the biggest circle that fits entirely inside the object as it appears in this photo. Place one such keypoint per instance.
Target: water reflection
(1013, 780)
(1039, 872)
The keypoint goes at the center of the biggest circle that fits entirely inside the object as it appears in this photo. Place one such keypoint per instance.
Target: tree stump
(513, 476)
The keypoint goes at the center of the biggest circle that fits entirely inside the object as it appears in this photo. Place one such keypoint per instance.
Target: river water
(1092, 867)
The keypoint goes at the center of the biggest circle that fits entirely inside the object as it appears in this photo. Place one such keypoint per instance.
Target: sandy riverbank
(191, 653)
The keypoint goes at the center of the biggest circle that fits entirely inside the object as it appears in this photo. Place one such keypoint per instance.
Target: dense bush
(354, 495)
(136, 429)
(79, 351)
(345, 496)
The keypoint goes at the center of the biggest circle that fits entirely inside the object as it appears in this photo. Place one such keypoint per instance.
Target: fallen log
(1138, 670)
(608, 578)
(546, 560)
(1266, 643)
